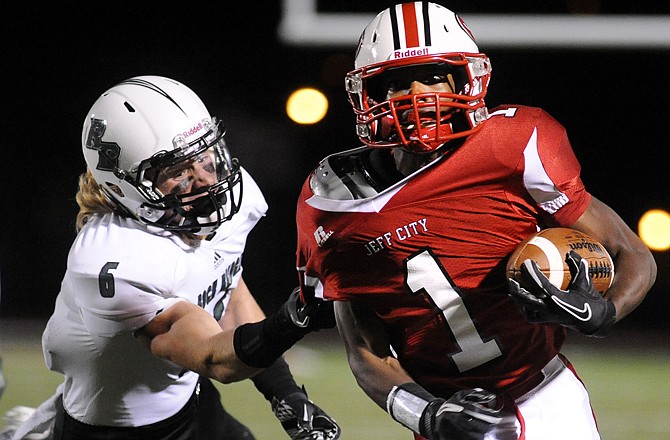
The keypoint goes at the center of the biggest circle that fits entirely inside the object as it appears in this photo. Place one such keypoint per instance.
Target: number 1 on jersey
(425, 273)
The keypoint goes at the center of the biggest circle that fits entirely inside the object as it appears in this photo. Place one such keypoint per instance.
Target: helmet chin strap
(199, 212)
(185, 217)
(204, 206)
(429, 139)
(410, 160)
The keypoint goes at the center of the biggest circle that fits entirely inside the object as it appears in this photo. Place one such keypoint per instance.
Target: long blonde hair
(92, 200)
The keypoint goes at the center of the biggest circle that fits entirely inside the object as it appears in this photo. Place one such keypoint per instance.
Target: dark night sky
(56, 63)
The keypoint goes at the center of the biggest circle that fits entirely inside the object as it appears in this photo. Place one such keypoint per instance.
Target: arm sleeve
(131, 308)
(122, 293)
(552, 172)
(275, 381)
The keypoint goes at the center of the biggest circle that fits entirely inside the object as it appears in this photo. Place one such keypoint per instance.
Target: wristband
(608, 322)
(259, 344)
(406, 404)
(254, 348)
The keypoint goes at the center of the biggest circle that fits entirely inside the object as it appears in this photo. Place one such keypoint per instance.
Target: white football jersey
(120, 274)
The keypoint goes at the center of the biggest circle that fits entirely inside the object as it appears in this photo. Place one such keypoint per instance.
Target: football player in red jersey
(410, 233)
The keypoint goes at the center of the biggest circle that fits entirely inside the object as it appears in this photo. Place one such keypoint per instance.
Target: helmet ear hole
(115, 188)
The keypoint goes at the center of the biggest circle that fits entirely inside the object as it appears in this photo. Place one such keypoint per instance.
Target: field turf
(628, 383)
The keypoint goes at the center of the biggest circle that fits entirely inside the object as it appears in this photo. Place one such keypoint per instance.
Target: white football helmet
(147, 126)
(418, 41)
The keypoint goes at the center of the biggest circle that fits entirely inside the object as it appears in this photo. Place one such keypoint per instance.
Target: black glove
(303, 420)
(317, 314)
(467, 415)
(259, 344)
(580, 307)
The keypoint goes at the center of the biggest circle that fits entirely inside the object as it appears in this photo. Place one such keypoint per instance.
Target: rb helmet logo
(108, 152)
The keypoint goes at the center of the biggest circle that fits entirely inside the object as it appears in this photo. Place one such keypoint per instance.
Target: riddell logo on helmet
(192, 131)
(410, 53)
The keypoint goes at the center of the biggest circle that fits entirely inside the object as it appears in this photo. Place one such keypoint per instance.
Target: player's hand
(467, 415)
(317, 314)
(260, 344)
(185, 334)
(580, 307)
(303, 420)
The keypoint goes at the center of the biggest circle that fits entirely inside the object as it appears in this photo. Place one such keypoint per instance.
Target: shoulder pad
(342, 177)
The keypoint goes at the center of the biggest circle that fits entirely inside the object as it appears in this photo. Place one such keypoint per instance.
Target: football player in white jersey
(153, 299)
(410, 234)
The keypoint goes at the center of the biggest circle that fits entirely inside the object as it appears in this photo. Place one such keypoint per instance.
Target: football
(548, 249)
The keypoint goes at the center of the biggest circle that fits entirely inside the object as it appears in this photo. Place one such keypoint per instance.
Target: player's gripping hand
(315, 315)
(580, 307)
(303, 420)
(473, 414)
(467, 415)
(259, 344)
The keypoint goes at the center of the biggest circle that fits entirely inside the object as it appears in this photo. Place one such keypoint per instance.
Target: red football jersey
(428, 253)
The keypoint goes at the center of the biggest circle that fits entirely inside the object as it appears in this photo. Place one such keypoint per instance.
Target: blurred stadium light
(654, 229)
(302, 24)
(307, 106)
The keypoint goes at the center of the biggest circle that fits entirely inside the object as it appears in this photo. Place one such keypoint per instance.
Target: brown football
(548, 249)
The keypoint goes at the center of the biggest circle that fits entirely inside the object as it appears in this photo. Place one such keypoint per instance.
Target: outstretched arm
(299, 416)
(189, 336)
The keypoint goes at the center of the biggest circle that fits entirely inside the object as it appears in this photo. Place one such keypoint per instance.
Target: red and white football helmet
(148, 124)
(412, 42)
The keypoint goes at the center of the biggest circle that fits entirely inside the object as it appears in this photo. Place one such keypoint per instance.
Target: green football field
(629, 383)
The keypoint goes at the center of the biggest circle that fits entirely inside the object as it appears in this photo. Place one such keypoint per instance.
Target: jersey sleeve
(304, 264)
(552, 172)
(131, 307)
(313, 271)
(120, 282)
